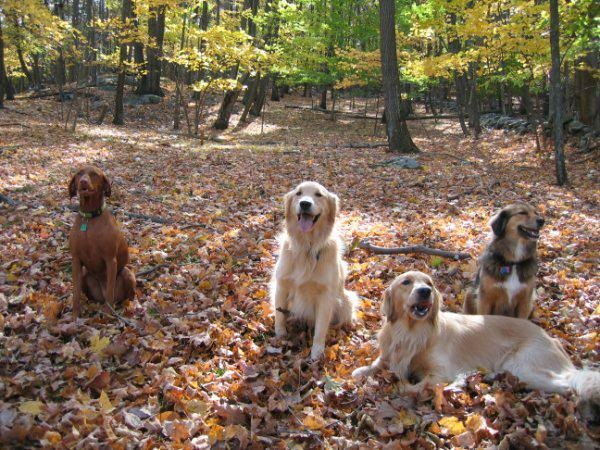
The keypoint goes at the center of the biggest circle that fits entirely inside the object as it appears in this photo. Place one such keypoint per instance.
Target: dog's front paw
(361, 372)
(317, 351)
(280, 331)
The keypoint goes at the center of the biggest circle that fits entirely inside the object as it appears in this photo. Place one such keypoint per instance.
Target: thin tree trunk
(118, 115)
(2, 88)
(261, 95)
(399, 139)
(92, 70)
(7, 87)
(474, 102)
(251, 94)
(323, 102)
(557, 96)
(150, 82)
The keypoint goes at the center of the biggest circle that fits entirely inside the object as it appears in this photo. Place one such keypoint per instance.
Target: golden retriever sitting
(308, 282)
(505, 280)
(418, 341)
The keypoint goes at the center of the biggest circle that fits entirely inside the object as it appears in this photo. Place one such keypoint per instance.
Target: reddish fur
(100, 254)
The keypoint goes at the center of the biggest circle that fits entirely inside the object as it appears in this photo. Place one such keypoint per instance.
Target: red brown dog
(99, 250)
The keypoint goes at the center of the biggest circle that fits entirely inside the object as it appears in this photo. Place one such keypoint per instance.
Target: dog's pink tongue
(306, 223)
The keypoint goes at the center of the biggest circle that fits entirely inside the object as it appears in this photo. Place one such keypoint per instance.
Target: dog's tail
(586, 383)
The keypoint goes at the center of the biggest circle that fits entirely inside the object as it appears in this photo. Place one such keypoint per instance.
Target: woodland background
(203, 114)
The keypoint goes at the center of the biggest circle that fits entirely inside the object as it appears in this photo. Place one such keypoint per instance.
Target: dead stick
(150, 270)
(412, 249)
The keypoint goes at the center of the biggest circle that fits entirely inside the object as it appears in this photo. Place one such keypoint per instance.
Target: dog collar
(92, 214)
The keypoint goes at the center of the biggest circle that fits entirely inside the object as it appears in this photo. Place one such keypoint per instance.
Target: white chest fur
(512, 285)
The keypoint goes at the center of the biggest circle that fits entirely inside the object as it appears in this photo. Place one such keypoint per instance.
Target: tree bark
(323, 102)
(397, 131)
(150, 82)
(474, 122)
(91, 70)
(2, 88)
(226, 109)
(118, 115)
(556, 97)
(261, 95)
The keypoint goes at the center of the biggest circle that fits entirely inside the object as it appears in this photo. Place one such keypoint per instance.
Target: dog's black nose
(424, 292)
(540, 222)
(305, 204)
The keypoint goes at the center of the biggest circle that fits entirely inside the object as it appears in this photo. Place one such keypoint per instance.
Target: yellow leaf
(453, 425)
(32, 407)
(261, 293)
(52, 437)
(98, 344)
(205, 285)
(406, 418)
(105, 403)
(597, 310)
(475, 422)
(314, 422)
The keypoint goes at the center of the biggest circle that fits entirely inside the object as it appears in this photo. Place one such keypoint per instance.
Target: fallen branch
(155, 219)
(8, 200)
(363, 116)
(366, 245)
(360, 145)
(150, 270)
(13, 124)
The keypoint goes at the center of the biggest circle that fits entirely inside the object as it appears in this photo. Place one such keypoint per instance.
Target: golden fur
(418, 341)
(505, 280)
(308, 281)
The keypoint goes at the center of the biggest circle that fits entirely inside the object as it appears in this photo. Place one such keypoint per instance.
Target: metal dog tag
(83, 227)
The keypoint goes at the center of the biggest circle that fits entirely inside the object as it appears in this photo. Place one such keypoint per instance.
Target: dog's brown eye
(318, 194)
(406, 282)
(299, 193)
(523, 212)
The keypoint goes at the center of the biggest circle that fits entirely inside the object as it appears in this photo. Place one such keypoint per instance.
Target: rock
(575, 126)
(148, 99)
(107, 80)
(66, 97)
(404, 162)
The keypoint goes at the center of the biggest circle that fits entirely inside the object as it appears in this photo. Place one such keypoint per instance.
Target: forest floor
(196, 363)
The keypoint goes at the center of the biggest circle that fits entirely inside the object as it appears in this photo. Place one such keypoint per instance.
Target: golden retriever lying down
(308, 282)
(420, 341)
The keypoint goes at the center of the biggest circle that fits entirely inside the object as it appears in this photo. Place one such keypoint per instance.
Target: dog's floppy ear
(388, 305)
(106, 189)
(287, 201)
(334, 205)
(437, 305)
(73, 185)
(499, 222)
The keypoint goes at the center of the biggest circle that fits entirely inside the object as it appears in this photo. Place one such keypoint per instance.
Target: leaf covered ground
(195, 364)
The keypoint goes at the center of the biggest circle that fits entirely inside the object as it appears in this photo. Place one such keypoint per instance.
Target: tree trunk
(92, 70)
(275, 97)
(2, 69)
(150, 82)
(24, 68)
(251, 95)
(556, 96)
(226, 109)
(60, 62)
(587, 91)
(261, 95)
(474, 122)
(399, 139)
(118, 115)
(323, 102)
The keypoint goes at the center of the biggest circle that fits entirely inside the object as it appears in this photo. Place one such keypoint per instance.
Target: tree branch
(366, 245)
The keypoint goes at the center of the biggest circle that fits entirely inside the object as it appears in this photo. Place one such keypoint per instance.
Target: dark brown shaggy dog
(98, 247)
(505, 281)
